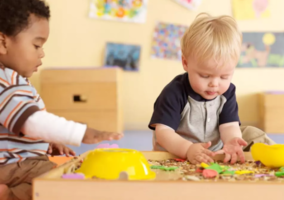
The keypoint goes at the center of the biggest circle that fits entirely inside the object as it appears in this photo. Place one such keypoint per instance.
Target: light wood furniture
(87, 95)
(50, 186)
(271, 108)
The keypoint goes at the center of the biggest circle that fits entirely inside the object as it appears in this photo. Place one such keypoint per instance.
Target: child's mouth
(210, 93)
(36, 69)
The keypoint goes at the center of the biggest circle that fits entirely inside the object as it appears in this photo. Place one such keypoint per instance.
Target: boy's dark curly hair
(14, 14)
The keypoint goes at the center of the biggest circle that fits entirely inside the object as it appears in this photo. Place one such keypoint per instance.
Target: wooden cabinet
(272, 112)
(87, 95)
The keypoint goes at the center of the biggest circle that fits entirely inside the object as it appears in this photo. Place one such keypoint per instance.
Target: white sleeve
(52, 128)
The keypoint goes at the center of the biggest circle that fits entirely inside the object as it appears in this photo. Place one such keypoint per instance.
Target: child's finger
(194, 162)
(242, 142)
(110, 138)
(206, 145)
(114, 136)
(119, 136)
(105, 136)
(71, 152)
(209, 159)
(50, 149)
(66, 151)
(227, 157)
(234, 158)
(219, 152)
(61, 150)
(241, 155)
(90, 140)
(205, 158)
(94, 141)
(208, 152)
(200, 158)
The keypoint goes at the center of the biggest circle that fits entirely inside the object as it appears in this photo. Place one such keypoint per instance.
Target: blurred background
(108, 60)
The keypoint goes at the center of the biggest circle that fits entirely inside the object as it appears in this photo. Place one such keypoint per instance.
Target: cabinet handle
(79, 98)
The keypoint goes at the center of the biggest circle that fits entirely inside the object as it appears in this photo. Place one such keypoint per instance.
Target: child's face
(23, 53)
(207, 79)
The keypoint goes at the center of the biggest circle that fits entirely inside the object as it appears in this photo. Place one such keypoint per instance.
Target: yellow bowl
(269, 155)
(109, 163)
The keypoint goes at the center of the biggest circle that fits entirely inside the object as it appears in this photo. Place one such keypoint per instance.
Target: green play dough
(215, 167)
(156, 167)
(161, 167)
(228, 173)
(170, 168)
(278, 174)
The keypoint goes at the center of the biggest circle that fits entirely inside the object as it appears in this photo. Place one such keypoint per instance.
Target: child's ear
(184, 63)
(3, 46)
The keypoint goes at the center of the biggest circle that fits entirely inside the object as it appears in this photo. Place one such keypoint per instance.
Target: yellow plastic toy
(204, 165)
(241, 172)
(269, 155)
(109, 163)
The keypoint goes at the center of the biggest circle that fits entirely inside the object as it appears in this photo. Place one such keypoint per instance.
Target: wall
(77, 40)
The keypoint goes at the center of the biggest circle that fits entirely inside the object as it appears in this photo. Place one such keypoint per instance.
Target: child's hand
(93, 136)
(59, 149)
(198, 153)
(233, 150)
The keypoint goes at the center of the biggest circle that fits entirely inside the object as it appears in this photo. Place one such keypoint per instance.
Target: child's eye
(224, 77)
(204, 76)
(37, 47)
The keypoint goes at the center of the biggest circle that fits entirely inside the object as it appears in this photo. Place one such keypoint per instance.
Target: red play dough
(209, 173)
(198, 170)
(179, 160)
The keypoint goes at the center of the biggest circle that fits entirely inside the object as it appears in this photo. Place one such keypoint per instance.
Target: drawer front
(270, 100)
(273, 120)
(83, 75)
(100, 120)
(80, 96)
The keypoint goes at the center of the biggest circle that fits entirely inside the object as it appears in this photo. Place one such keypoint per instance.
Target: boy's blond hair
(212, 37)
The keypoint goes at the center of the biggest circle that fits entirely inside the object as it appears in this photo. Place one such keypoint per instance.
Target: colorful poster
(122, 55)
(251, 9)
(119, 10)
(262, 50)
(189, 4)
(166, 41)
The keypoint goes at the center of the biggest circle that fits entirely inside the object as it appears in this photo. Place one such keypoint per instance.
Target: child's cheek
(201, 83)
(198, 85)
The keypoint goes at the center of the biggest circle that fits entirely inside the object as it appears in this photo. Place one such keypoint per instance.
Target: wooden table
(50, 187)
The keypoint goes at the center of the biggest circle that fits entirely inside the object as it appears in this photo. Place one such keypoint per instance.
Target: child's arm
(21, 114)
(52, 128)
(232, 138)
(229, 128)
(177, 145)
(229, 131)
(171, 141)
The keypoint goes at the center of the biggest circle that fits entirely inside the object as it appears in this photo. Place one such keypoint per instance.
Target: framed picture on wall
(251, 9)
(166, 41)
(261, 49)
(119, 10)
(122, 55)
(189, 4)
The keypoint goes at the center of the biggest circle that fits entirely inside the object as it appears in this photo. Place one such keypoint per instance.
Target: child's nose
(41, 54)
(213, 83)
